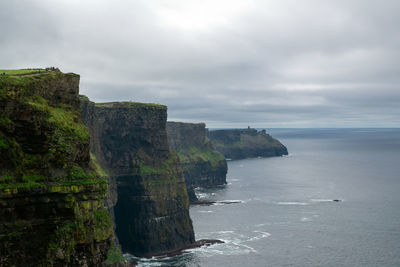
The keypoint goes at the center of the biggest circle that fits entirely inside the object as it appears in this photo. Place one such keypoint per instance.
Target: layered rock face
(246, 143)
(51, 194)
(151, 202)
(203, 166)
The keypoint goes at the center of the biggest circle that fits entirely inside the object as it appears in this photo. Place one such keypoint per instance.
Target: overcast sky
(229, 63)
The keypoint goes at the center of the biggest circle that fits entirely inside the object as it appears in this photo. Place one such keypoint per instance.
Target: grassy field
(129, 105)
(20, 72)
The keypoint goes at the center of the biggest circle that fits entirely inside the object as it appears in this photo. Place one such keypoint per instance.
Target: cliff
(246, 143)
(202, 165)
(51, 191)
(149, 196)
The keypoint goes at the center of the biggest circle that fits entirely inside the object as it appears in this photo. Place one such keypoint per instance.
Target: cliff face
(202, 165)
(150, 198)
(51, 193)
(246, 143)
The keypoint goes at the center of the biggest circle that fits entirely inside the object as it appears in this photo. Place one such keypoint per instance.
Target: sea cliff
(246, 143)
(147, 192)
(203, 166)
(51, 191)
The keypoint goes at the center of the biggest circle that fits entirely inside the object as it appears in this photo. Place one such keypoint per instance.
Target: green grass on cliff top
(63, 128)
(129, 105)
(24, 80)
(203, 154)
(63, 119)
(21, 72)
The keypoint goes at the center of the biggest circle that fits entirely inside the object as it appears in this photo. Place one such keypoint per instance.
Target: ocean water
(286, 216)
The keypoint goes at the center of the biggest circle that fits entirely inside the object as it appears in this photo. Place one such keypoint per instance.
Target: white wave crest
(292, 203)
(260, 235)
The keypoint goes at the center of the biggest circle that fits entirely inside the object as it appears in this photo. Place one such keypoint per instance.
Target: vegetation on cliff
(42, 139)
(201, 153)
(51, 198)
(21, 71)
(203, 166)
(162, 176)
(246, 143)
(151, 203)
(114, 255)
(128, 104)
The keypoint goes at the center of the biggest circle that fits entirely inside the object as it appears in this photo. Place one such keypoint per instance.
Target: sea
(333, 201)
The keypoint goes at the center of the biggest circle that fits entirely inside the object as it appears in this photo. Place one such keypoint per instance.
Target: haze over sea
(286, 216)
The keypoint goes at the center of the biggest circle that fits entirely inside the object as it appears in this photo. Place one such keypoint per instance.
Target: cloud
(228, 63)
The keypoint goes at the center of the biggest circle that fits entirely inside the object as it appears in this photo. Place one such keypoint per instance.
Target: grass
(167, 183)
(164, 168)
(21, 71)
(6, 178)
(88, 181)
(102, 224)
(3, 144)
(53, 165)
(27, 186)
(66, 120)
(63, 125)
(114, 255)
(204, 154)
(130, 105)
(32, 178)
(84, 98)
(96, 166)
(76, 173)
(4, 121)
(29, 181)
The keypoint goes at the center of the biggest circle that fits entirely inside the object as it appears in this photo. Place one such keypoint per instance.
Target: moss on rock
(246, 143)
(202, 165)
(114, 255)
(150, 198)
(46, 180)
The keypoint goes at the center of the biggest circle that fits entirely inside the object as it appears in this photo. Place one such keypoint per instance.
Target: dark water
(287, 217)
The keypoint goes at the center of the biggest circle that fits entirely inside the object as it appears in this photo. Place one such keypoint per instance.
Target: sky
(228, 63)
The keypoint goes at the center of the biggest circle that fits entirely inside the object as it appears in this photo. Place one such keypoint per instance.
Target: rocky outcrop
(150, 197)
(246, 143)
(51, 191)
(202, 165)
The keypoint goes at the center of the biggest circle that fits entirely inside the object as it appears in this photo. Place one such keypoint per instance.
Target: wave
(305, 219)
(234, 243)
(325, 200)
(201, 195)
(224, 202)
(229, 248)
(260, 236)
(320, 200)
(292, 203)
(262, 224)
(145, 261)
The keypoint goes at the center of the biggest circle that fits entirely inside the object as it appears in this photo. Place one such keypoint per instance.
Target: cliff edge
(246, 143)
(51, 192)
(203, 166)
(149, 195)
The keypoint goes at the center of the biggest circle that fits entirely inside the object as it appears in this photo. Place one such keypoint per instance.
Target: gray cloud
(228, 63)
